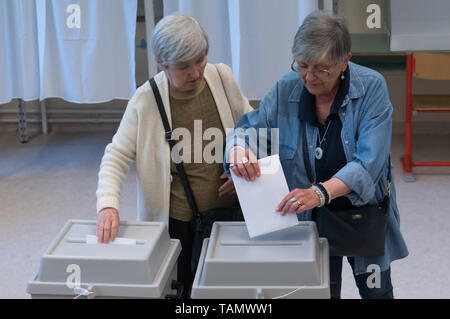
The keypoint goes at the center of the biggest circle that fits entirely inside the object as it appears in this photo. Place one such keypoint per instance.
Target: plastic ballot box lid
(139, 269)
(293, 263)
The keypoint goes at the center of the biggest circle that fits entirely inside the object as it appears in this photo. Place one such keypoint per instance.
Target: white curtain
(86, 49)
(78, 50)
(19, 63)
(254, 37)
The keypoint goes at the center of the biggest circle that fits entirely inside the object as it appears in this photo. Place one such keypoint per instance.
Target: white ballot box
(290, 263)
(141, 264)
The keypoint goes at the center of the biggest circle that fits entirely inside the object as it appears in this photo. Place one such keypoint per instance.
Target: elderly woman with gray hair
(199, 98)
(339, 114)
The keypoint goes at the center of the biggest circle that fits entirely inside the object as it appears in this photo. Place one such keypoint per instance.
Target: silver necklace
(318, 152)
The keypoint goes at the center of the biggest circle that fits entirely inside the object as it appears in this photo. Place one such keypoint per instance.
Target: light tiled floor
(53, 178)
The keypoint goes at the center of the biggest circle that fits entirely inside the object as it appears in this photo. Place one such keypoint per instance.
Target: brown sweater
(203, 177)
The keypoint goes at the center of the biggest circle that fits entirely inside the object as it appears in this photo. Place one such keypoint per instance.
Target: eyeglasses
(303, 70)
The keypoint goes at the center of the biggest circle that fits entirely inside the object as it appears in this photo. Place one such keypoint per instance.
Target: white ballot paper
(92, 239)
(260, 198)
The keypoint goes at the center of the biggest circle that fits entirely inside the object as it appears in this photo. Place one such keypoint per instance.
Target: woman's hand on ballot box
(107, 225)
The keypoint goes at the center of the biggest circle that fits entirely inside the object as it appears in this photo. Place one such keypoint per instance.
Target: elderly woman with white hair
(198, 98)
(336, 116)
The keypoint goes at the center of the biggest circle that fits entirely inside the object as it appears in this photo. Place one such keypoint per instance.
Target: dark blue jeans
(385, 290)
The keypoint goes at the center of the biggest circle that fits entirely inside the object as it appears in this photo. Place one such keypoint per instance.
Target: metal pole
(44, 117)
(23, 131)
(149, 26)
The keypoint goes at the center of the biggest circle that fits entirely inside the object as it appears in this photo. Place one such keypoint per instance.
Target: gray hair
(319, 36)
(178, 38)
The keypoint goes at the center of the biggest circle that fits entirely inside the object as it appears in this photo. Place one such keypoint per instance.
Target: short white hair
(321, 35)
(178, 38)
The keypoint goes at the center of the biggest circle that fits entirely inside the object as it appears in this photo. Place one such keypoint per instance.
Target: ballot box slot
(81, 240)
(261, 243)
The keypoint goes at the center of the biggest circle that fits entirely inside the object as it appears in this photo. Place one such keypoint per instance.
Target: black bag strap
(309, 170)
(171, 141)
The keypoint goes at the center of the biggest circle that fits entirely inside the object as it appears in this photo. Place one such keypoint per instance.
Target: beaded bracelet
(325, 192)
(319, 194)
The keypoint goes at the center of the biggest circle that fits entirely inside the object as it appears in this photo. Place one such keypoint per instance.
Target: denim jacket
(366, 137)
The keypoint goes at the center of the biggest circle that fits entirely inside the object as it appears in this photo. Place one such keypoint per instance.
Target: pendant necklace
(318, 152)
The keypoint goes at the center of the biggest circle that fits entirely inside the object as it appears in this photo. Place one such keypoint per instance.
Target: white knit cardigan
(140, 138)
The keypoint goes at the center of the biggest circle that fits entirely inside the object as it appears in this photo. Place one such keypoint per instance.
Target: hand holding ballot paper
(260, 196)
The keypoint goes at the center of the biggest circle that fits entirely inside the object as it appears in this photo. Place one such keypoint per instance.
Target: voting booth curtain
(254, 37)
(78, 50)
(19, 61)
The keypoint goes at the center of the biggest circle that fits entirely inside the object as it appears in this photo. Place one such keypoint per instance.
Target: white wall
(420, 25)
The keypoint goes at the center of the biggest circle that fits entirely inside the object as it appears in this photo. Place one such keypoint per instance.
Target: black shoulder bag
(359, 231)
(201, 223)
